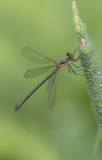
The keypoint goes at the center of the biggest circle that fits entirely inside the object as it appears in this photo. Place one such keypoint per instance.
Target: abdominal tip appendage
(16, 108)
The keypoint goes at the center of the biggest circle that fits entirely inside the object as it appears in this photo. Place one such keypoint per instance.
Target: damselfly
(37, 57)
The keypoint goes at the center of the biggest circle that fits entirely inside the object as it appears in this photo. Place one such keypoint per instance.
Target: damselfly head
(69, 55)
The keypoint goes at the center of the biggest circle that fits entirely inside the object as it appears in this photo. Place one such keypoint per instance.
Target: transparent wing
(37, 71)
(35, 56)
(52, 90)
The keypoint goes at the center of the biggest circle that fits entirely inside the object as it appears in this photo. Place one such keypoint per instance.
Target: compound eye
(68, 54)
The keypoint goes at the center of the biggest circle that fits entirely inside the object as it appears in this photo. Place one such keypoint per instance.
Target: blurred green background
(68, 131)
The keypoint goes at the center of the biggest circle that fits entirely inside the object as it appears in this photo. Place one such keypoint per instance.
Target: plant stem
(90, 65)
(97, 145)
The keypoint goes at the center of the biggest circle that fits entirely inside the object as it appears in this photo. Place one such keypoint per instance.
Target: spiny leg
(70, 70)
(70, 67)
(74, 60)
(74, 50)
(75, 65)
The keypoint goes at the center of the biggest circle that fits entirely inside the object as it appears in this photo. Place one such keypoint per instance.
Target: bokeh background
(68, 131)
